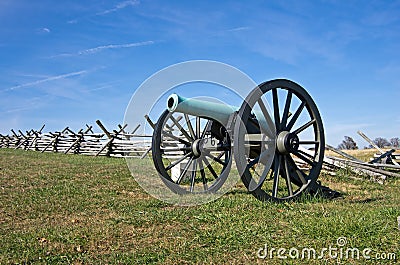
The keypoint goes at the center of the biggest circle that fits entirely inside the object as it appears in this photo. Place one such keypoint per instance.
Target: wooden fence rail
(116, 143)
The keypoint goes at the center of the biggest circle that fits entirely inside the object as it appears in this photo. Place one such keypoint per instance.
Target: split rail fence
(116, 143)
(120, 143)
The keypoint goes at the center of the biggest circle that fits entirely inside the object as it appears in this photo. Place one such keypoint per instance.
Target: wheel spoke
(303, 156)
(190, 127)
(267, 117)
(203, 175)
(286, 171)
(178, 161)
(210, 167)
(171, 127)
(183, 131)
(276, 109)
(295, 116)
(216, 159)
(193, 175)
(175, 137)
(184, 171)
(258, 159)
(262, 178)
(308, 142)
(198, 127)
(175, 149)
(285, 114)
(227, 157)
(277, 165)
(296, 170)
(203, 134)
(307, 153)
(305, 126)
(255, 172)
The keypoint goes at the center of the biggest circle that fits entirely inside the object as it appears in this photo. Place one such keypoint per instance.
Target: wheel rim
(293, 155)
(188, 153)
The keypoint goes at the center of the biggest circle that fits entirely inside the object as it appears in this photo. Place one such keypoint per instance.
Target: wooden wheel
(281, 155)
(190, 153)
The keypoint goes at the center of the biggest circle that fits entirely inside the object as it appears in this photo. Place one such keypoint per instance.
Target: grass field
(71, 209)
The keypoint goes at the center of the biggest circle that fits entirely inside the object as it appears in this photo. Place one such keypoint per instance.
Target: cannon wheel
(197, 148)
(293, 161)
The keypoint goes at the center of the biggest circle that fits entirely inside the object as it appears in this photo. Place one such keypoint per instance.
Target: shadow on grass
(367, 200)
(238, 191)
(317, 194)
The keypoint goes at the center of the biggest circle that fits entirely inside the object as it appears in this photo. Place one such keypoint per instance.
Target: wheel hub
(196, 148)
(287, 142)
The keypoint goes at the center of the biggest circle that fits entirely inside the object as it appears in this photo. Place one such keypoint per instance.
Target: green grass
(71, 209)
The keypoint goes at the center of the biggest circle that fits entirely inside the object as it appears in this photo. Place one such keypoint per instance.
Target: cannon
(275, 139)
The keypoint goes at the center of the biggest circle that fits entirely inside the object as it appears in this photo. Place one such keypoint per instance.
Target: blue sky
(68, 63)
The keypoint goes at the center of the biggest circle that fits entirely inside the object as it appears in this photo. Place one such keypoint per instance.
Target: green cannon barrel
(217, 111)
(201, 108)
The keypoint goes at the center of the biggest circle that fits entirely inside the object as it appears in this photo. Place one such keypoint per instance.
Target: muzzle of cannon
(276, 138)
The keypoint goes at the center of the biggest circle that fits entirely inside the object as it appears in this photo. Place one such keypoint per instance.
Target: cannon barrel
(217, 111)
(201, 108)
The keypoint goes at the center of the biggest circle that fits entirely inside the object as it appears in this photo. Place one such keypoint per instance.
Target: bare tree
(381, 142)
(348, 143)
(395, 142)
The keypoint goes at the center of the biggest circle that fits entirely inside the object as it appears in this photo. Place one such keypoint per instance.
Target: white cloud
(115, 46)
(119, 6)
(106, 47)
(52, 78)
(72, 21)
(43, 31)
(238, 29)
